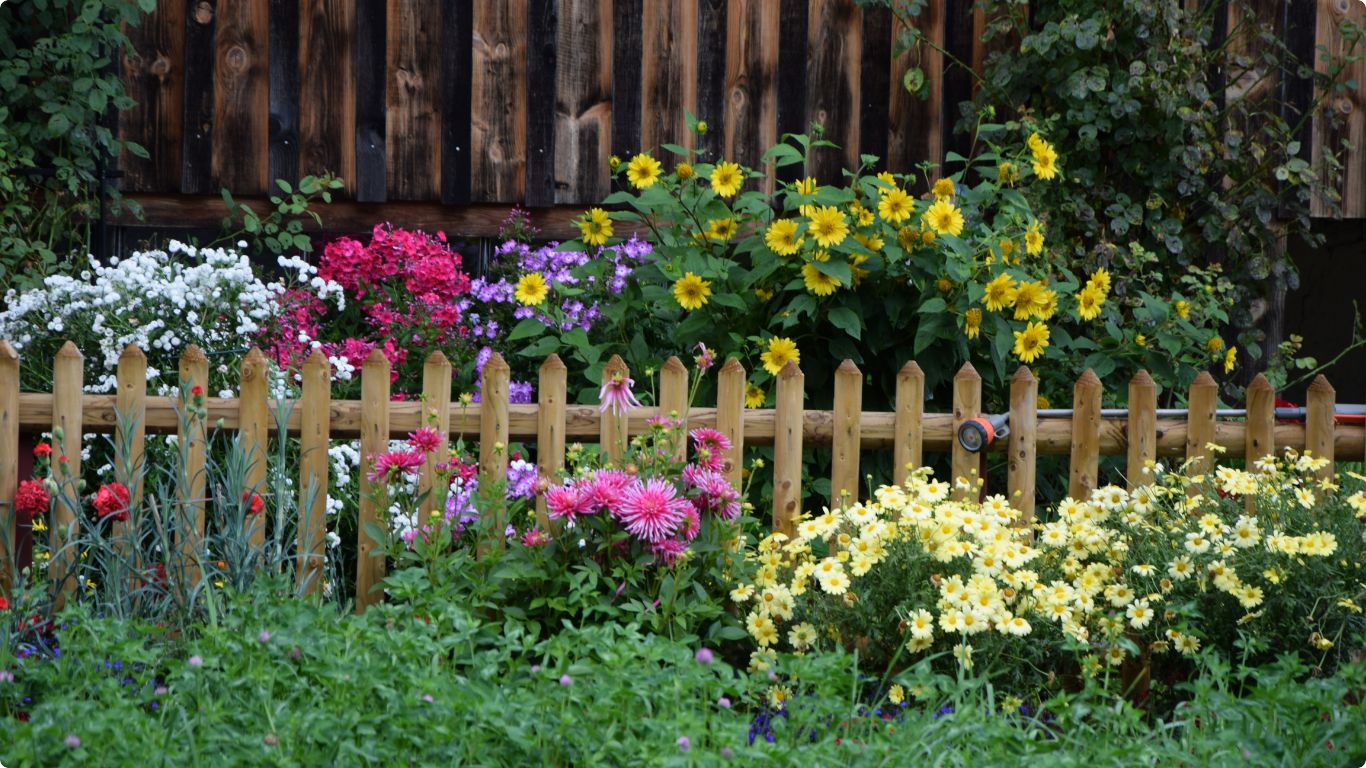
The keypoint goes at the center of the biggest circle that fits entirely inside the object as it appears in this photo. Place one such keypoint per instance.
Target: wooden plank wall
(496, 102)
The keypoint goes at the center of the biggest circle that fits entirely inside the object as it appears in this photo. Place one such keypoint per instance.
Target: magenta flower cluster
(662, 513)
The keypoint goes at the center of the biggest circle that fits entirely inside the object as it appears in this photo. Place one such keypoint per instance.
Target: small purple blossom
(566, 680)
(6, 676)
(723, 702)
(535, 668)
(161, 690)
(684, 744)
(196, 661)
(73, 741)
(427, 697)
(263, 638)
(704, 656)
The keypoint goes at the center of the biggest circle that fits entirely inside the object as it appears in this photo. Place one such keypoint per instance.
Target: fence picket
(68, 382)
(612, 429)
(673, 399)
(1320, 402)
(9, 466)
(313, 469)
(967, 405)
(193, 438)
(129, 442)
(1204, 399)
(552, 394)
(493, 431)
(909, 431)
(1141, 429)
(1085, 464)
(374, 441)
(844, 472)
(730, 415)
(787, 449)
(1023, 442)
(1260, 438)
(436, 396)
(253, 434)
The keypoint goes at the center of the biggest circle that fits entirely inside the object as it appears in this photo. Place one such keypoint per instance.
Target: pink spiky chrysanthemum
(714, 492)
(426, 439)
(606, 490)
(668, 551)
(652, 510)
(566, 502)
(711, 447)
(616, 394)
(387, 465)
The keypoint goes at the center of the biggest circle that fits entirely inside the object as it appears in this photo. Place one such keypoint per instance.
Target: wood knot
(408, 79)
(500, 51)
(203, 12)
(1345, 106)
(236, 58)
(161, 67)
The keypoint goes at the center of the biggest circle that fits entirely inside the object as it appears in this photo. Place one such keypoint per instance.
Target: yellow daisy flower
(781, 351)
(1031, 342)
(726, 179)
(643, 171)
(828, 225)
(1034, 239)
(596, 227)
(1089, 302)
(782, 237)
(818, 282)
(531, 289)
(943, 189)
(972, 322)
(945, 218)
(1000, 293)
(894, 205)
(692, 291)
(754, 396)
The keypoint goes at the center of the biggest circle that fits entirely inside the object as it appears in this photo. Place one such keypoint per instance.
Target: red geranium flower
(255, 504)
(42, 450)
(197, 391)
(112, 501)
(31, 500)
(4, 604)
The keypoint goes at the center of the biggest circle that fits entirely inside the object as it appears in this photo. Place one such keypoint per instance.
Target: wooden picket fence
(789, 427)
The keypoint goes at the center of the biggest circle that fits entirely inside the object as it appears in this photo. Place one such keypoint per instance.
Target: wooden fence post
(1260, 438)
(1204, 399)
(436, 406)
(374, 441)
(847, 438)
(313, 470)
(68, 382)
(551, 396)
(673, 398)
(193, 441)
(493, 434)
(967, 405)
(1023, 442)
(1320, 402)
(612, 435)
(730, 416)
(1085, 464)
(9, 461)
(129, 443)
(787, 449)
(253, 430)
(1141, 429)
(909, 426)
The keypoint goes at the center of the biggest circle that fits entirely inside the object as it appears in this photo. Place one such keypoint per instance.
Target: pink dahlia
(606, 489)
(652, 510)
(535, 537)
(668, 551)
(711, 447)
(616, 394)
(714, 492)
(393, 463)
(426, 439)
(566, 502)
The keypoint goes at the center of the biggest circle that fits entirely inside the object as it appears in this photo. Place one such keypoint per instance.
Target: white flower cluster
(160, 300)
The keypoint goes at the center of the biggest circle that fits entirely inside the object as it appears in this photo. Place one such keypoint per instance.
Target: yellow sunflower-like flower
(1008, 173)
(1029, 299)
(782, 237)
(1215, 345)
(943, 189)
(1007, 250)
(1049, 307)
(596, 227)
(684, 171)
(1034, 239)
(1183, 310)
(1101, 280)
(818, 282)
(945, 218)
(1031, 342)
(721, 229)
(1230, 359)
(692, 291)
(531, 289)
(781, 351)
(807, 186)
(828, 225)
(763, 294)
(1089, 302)
(894, 205)
(972, 323)
(1035, 142)
(643, 171)
(1046, 162)
(726, 179)
(754, 396)
(1000, 293)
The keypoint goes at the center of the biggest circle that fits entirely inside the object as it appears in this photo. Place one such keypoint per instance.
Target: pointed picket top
(553, 363)
(69, 349)
(848, 368)
(1142, 378)
(132, 352)
(1089, 378)
(194, 354)
(1204, 379)
(673, 365)
(615, 365)
(317, 360)
(495, 362)
(910, 370)
(375, 359)
(1320, 384)
(967, 373)
(790, 371)
(732, 366)
(1260, 383)
(1023, 375)
(7, 352)
(437, 357)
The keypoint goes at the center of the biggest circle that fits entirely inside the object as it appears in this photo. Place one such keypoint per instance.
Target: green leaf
(846, 320)
(527, 328)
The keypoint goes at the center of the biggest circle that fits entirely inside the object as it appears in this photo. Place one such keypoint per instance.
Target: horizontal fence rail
(550, 423)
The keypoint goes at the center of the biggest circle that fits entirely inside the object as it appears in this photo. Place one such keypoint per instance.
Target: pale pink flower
(668, 551)
(652, 510)
(535, 537)
(616, 394)
(705, 357)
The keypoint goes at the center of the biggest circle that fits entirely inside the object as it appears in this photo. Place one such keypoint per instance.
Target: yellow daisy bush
(914, 569)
